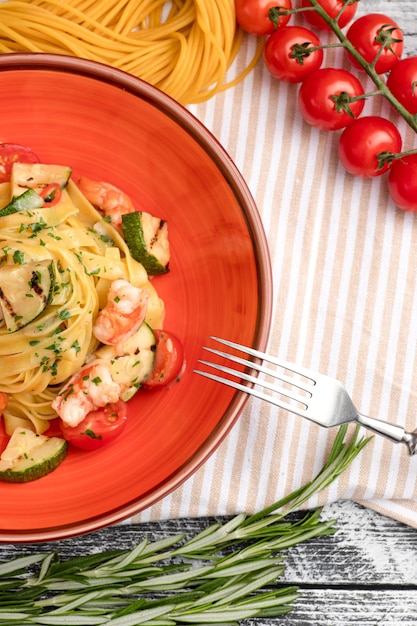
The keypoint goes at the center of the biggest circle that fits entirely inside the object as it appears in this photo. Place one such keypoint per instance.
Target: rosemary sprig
(226, 573)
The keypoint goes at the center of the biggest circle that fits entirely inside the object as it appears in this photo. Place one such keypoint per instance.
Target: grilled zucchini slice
(37, 176)
(131, 368)
(26, 201)
(29, 456)
(147, 240)
(25, 291)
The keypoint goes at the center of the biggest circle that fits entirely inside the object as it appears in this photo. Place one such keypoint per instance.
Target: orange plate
(111, 126)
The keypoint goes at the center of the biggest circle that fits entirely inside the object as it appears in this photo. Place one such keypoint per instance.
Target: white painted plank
(366, 549)
(348, 607)
(363, 575)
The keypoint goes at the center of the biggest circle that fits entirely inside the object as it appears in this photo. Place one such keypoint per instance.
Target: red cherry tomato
(287, 56)
(98, 428)
(376, 36)
(402, 182)
(363, 140)
(255, 18)
(402, 82)
(14, 153)
(345, 11)
(169, 360)
(316, 98)
(51, 194)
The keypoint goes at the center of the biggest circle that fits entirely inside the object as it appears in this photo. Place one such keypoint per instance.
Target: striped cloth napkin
(345, 283)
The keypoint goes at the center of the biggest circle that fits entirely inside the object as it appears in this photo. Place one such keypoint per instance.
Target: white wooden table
(364, 575)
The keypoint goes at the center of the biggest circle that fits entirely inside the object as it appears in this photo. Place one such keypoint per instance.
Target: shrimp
(91, 388)
(124, 312)
(107, 198)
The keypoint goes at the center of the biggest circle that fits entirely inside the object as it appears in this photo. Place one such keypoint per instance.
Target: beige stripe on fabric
(345, 284)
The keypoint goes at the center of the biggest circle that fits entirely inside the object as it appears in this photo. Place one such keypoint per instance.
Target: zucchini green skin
(134, 226)
(27, 201)
(29, 456)
(44, 467)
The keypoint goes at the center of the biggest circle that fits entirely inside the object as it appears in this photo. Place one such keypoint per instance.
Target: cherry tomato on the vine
(255, 18)
(289, 53)
(324, 98)
(363, 140)
(12, 153)
(402, 82)
(342, 8)
(402, 182)
(98, 428)
(376, 36)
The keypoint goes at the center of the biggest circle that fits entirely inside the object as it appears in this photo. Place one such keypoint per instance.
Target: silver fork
(317, 397)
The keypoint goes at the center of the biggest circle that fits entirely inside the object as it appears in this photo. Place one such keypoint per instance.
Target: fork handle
(391, 431)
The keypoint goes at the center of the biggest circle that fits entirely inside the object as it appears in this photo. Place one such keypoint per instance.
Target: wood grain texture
(364, 574)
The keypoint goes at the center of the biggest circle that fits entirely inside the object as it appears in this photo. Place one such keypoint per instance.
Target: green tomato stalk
(342, 101)
(369, 68)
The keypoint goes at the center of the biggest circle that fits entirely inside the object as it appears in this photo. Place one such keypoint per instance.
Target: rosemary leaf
(226, 573)
(67, 620)
(20, 564)
(140, 617)
(12, 616)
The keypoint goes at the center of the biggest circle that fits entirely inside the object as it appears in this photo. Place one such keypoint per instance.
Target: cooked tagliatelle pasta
(84, 255)
(183, 47)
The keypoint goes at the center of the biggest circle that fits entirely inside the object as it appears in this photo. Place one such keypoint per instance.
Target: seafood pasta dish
(81, 323)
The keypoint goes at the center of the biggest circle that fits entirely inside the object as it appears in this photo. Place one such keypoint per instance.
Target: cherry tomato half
(287, 55)
(402, 182)
(363, 140)
(98, 428)
(345, 11)
(169, 360)
(316, 98)
(254, 17)
(14, 153)
(376, 36)
(402, 82)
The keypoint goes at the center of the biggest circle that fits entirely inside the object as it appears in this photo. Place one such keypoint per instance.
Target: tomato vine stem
(389, 157)
(369, 68)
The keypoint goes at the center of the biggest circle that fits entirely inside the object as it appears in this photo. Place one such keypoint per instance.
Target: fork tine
(264, 370)
(296, 369)
(254, 392)
(257, 381)
(251, 364)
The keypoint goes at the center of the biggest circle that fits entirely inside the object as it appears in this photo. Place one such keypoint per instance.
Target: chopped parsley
(76, 346)
(92, 434)
(64, 314)
(18, 257)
